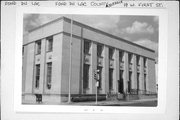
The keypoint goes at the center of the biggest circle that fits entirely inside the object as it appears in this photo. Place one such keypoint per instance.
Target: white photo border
(162, 61)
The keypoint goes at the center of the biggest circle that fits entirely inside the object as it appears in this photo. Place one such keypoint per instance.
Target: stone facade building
(124, 67)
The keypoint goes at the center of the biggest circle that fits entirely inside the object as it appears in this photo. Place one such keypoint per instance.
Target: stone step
(87, 98)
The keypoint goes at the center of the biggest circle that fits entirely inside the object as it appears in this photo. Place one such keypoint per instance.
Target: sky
(142, 30)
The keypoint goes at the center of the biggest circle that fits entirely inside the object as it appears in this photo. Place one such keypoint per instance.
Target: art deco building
(124, 67)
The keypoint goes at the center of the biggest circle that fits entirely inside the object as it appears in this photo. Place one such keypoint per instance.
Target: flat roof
(91, 28)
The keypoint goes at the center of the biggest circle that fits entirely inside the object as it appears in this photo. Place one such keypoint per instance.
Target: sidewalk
(141, 102)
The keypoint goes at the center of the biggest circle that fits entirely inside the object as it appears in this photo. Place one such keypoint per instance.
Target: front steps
(85, 98)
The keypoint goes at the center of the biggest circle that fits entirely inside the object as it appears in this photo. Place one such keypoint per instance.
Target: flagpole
(70, 66)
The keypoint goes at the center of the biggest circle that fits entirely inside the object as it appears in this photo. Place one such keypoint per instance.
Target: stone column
(141, 82)
(42, 66)
(116, 71)
(103, 72)
(93, 67)
(106, 69)
(134, 73)
(147, 75)
(126, 72)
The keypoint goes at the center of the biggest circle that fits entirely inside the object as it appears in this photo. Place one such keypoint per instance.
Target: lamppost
(70, 65)
(96, 77)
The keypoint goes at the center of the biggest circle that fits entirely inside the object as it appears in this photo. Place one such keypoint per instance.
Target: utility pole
(70, 65)
(96, 92)
(96, 78)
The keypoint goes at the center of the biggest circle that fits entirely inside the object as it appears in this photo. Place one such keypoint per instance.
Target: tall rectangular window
(87, 46)
(130, 58)
(111, 53)
(120, 88)
(138, 79)
(121, 56)
(129, 82)
(145, 82)
(100, 76)
(86, 76)
(49, 43)
(110, 79)
(99, 50)
(49, 75)
(37, 77)
(145, 62)
(38, 47)
(138, 60)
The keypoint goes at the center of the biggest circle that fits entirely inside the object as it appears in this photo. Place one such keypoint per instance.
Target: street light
(96, 77)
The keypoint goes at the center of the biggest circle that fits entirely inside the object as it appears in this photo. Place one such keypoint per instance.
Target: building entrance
(85, 78)
(120, 82)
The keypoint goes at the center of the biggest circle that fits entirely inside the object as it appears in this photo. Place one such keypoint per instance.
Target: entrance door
(85, 78)
(129, 82)
(120, 82)
(138, 76)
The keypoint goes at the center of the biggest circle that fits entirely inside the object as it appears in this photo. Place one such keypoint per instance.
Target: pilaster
(42, 66)
(141, 82)
(29, 70)
(106, 69)
(126, 72)
(134, 73)
(116, 71)
(93, 67)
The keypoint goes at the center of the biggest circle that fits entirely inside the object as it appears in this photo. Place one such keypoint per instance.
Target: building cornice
(93, 29)
(105, 33)
(58, 19)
